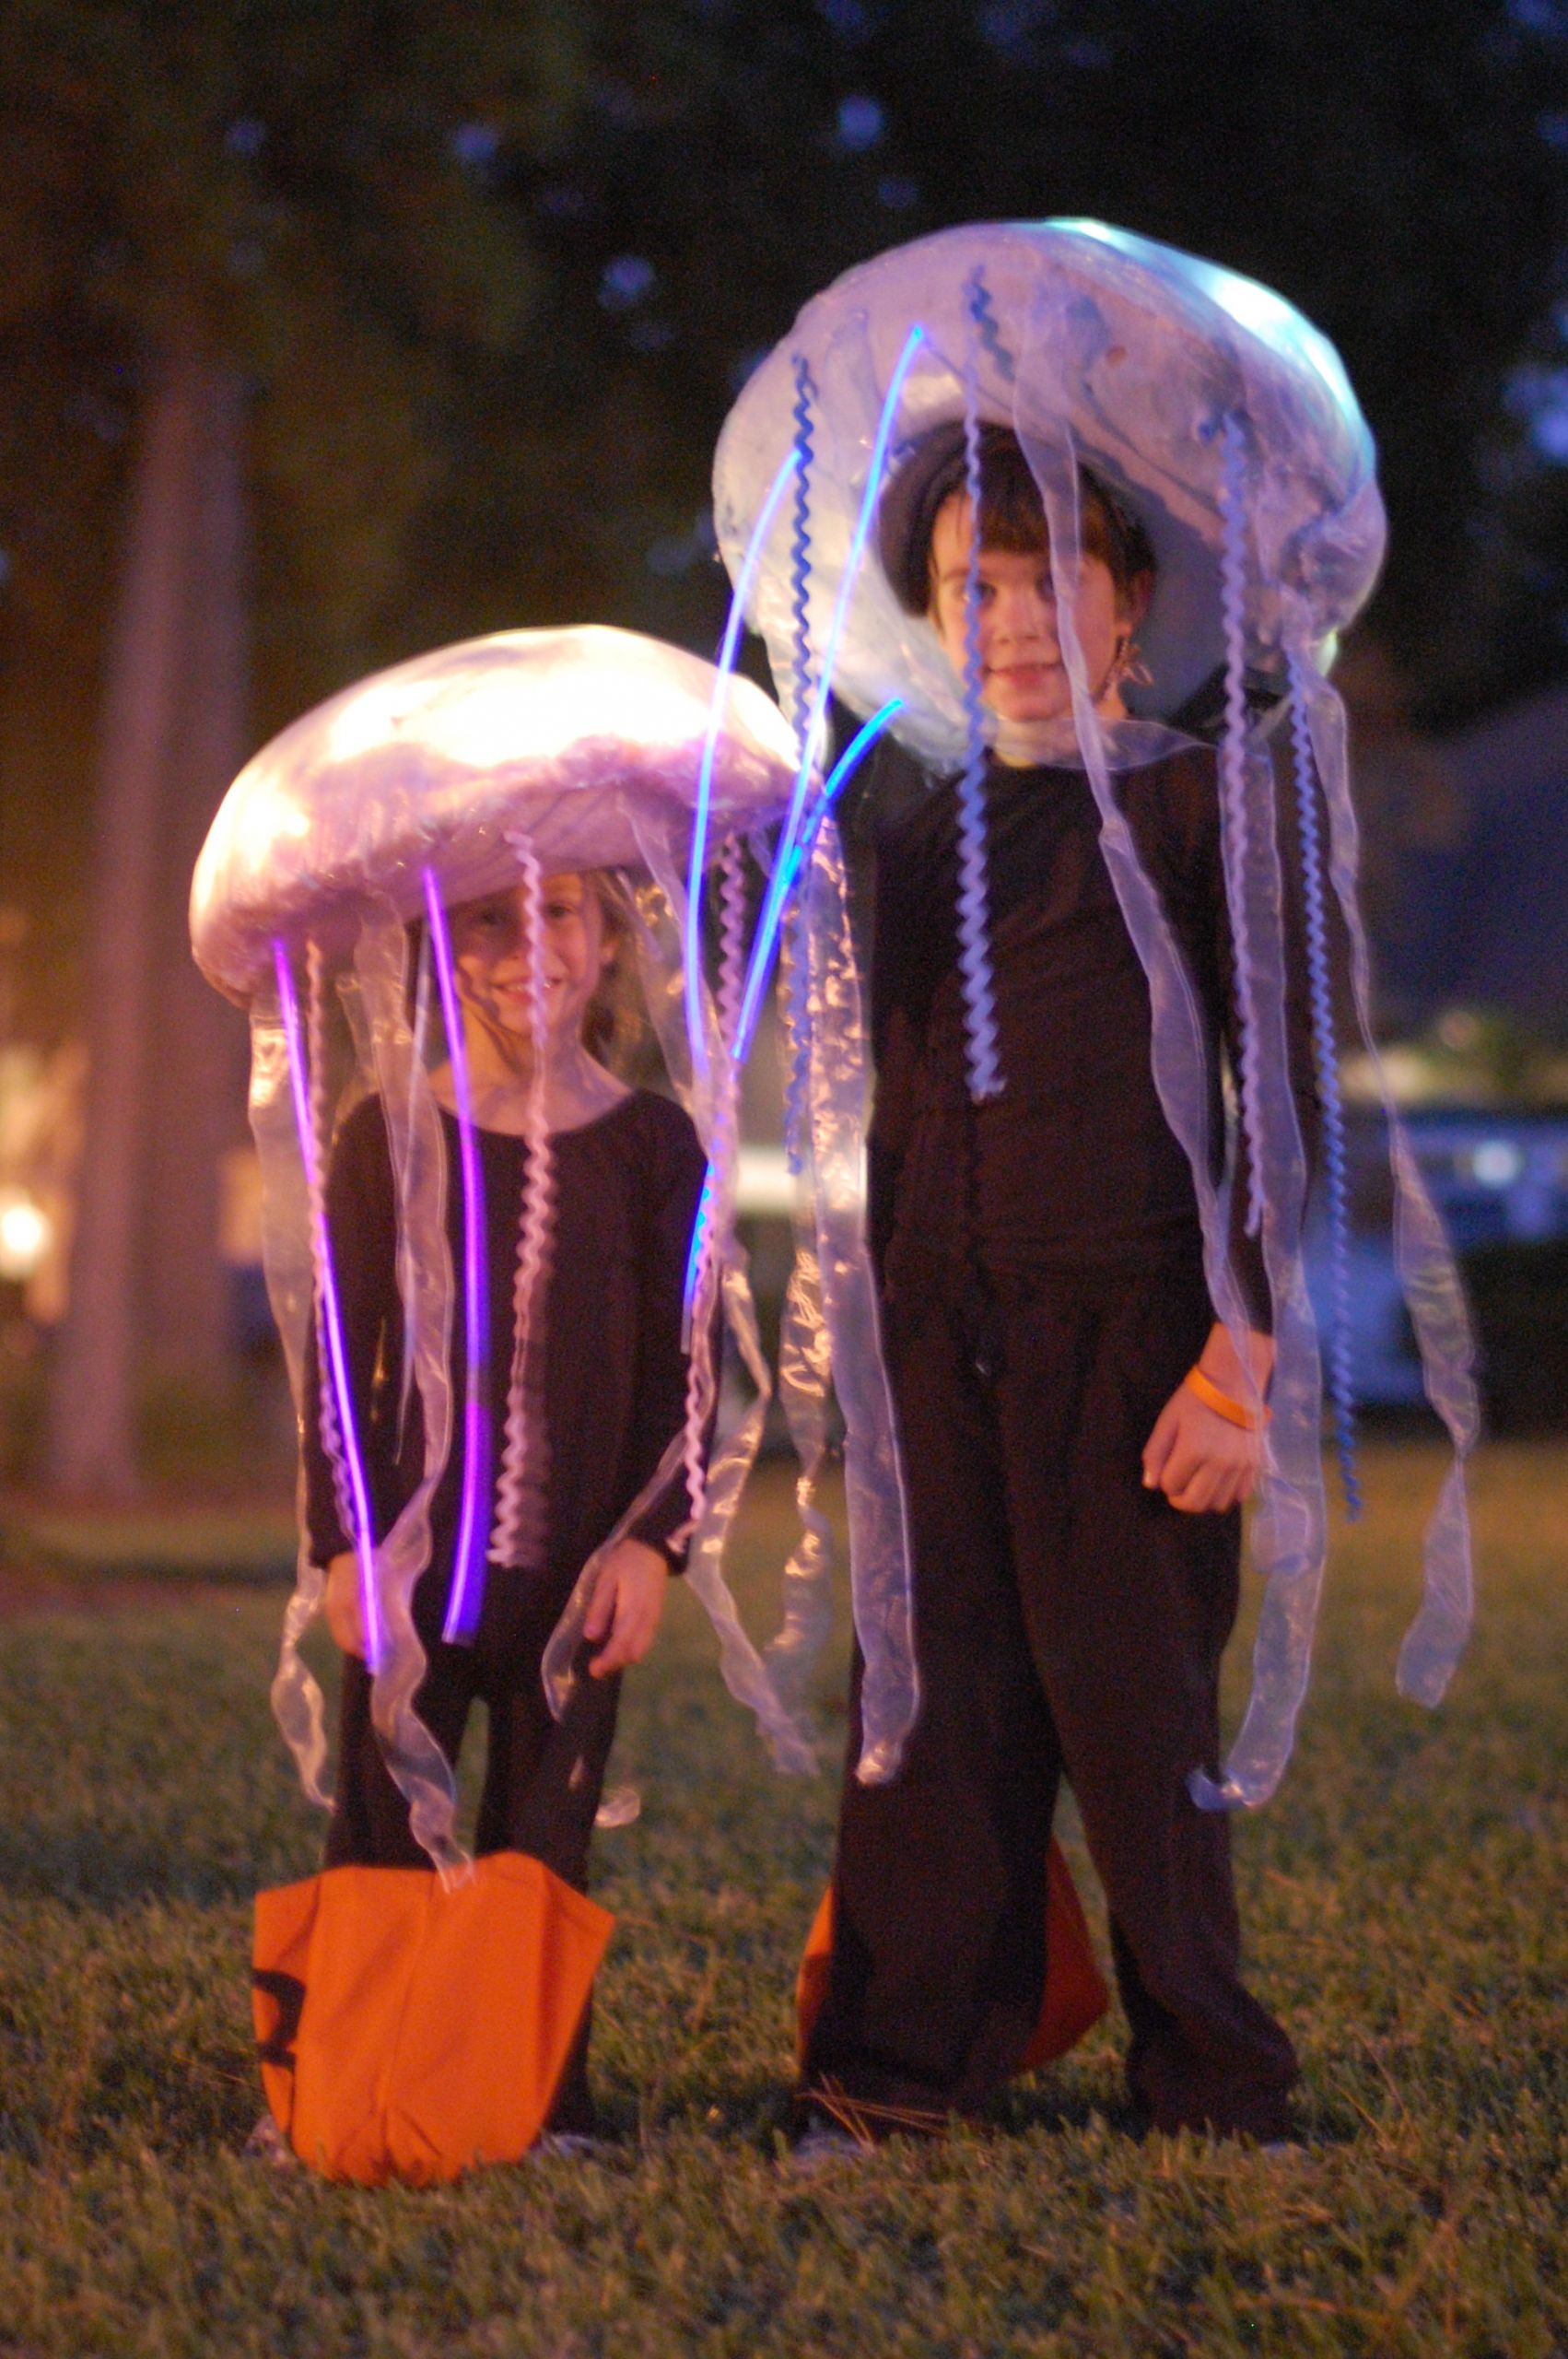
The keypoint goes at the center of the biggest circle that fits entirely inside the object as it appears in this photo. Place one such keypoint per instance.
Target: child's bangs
(1012, 516)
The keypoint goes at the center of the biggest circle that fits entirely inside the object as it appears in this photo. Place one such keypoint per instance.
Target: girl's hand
(342, 1601)
(628, 1602)
(1203, 1463)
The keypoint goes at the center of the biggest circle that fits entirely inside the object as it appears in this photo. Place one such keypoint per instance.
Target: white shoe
(567, 2146)
(266, 2144)
(822, 2145)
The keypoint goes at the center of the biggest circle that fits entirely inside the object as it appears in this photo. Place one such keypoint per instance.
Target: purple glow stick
(364, 1544)
(468, 1562)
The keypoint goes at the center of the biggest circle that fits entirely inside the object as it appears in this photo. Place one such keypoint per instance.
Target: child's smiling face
(1022, 676)
(491, 953)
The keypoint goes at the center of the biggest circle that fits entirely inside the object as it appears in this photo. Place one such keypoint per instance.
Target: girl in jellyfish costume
(1075, 518)
(436, 895)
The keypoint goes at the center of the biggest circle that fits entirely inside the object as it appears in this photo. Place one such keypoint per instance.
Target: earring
(1130, 667)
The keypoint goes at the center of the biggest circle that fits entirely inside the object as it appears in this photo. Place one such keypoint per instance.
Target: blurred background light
(24, 1235)
(626, 281)
(861, 123)
(1497, 1163)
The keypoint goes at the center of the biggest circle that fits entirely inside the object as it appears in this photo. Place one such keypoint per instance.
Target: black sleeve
(362, 1233)
(895, 1050)
(679, 1168)
(901, 824)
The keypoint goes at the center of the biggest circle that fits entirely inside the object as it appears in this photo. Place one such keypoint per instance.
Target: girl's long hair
(613, 1027)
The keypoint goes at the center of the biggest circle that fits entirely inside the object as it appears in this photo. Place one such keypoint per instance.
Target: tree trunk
(196, 1101)
(159, 1066)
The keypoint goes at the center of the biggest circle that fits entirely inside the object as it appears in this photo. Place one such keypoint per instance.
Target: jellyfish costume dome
(1213, 414)
(319, 904)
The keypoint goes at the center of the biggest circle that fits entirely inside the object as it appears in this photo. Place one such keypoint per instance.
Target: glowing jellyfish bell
(1207, 410)
(319, 903)
(586, 741)
(1074, 334)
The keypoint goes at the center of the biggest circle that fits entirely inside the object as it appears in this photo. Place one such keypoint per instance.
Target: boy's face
(490, 951)
(1022, 676)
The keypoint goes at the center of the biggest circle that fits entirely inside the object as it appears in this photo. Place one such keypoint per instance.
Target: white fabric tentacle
(287, 1244)
(316, 1162)
(524, 1472)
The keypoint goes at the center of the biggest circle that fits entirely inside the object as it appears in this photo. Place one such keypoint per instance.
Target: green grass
(1404, 1898)
(205, 1542)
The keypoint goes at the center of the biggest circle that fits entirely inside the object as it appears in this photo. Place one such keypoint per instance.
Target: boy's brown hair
(1013, 515)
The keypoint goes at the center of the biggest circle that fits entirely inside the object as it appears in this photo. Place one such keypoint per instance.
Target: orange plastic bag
(406, 2031)
(1075, 1994)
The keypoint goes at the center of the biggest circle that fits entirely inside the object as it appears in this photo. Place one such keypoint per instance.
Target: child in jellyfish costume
(1058, 508)
(437, 895)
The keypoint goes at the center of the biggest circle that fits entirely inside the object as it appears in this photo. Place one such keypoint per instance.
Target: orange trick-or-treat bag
(1075, 1995)
(408, 2029)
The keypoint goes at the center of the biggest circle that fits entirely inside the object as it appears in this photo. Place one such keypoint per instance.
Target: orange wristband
(1235, 1413)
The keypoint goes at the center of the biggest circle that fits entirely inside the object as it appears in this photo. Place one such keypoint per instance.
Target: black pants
(542, 1777)
(1067, 1620)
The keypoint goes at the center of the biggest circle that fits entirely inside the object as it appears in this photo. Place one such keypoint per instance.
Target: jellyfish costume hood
(319, 904)
(1204, 409)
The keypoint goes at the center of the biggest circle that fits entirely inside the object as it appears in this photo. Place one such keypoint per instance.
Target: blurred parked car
(1500, 1179)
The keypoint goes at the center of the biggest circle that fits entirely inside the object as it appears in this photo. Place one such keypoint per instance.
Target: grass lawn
(1406, 1898)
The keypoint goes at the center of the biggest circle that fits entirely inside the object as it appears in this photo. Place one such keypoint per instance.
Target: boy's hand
(1203, 1463)
(342, 1601)
(628, 1601)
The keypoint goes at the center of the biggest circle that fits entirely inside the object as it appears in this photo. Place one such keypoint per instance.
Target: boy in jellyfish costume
(436, 895)
(1049, 501)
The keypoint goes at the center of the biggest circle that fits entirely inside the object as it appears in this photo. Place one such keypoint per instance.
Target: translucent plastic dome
(1134, 350)
(575, 737)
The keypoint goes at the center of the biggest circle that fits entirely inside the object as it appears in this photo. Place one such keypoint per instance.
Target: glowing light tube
(696, 1030)
(839, 777)
(694, 1258)
(773, 903)
(788, 868)
(843, 770)
(359, 1496)
(468, 1561)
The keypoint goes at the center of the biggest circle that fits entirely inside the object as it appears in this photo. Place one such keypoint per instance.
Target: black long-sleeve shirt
(615, 1380)
(1073, 1166)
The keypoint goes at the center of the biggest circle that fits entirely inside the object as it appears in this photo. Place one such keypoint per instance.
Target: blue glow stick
(698, 862)
(694, 1258)
(839, 777)
(468, 1561)
(777, 883)
(337, 1360)
(843, 770)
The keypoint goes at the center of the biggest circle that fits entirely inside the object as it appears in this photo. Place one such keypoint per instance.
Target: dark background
(490, 275)
(332, 330)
